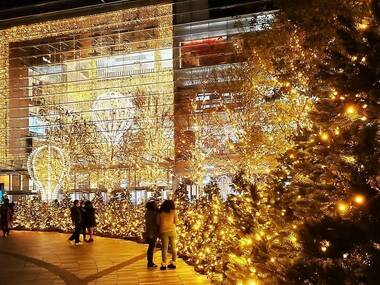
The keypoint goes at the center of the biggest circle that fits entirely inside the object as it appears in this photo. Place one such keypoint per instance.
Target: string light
(325, 245)
(350, 110)
(324, 136)
(363, 25)
(47, 170)
(359, 199)
(342, 207)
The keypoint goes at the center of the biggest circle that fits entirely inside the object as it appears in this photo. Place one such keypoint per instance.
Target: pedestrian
(6, 217)
(167, 220)
(76, 218)
(83, 211)
(89, 220)
(151, 230)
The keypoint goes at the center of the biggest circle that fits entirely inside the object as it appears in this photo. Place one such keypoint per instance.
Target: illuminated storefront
(98, 92)
(104, 102)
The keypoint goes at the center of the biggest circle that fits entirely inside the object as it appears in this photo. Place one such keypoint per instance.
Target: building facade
(121, 95)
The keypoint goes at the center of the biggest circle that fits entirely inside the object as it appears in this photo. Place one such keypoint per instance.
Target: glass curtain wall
(120, 100)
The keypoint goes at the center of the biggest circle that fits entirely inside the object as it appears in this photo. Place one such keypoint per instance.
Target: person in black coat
(6, 217)
(151, 230)
(76, 218)
(89, 219)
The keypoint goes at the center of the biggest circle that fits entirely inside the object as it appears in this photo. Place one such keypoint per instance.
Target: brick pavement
(46, 258)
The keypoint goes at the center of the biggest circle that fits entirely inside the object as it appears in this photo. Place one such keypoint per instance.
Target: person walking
(6, 217)
(76, 218)
(151, 230)
(89, 220)
(167, 220)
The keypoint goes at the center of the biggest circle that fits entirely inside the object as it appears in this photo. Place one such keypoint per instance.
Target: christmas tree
(206, 234)
(66, 200)
(340, 164)
(156, 192)
(98, 199)
(211, 190)
(181, 197)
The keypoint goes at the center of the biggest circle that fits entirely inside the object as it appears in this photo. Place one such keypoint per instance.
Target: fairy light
(208, 231)
(36, 169)
(359, 199)
(325, 244)
(324, 136)
(342, 207)
(363, 25)
(252, 282)
(116, 108)
(350, 110)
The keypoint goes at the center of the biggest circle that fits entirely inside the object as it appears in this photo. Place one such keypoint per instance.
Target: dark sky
(4, 4)
(10, 9)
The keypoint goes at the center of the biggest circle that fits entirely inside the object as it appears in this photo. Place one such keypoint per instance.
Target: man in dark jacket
(151, 230)
(6, 217)
(76, 218)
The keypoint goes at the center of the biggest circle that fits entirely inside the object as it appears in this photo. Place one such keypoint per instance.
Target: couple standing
(83, 218)
(161, 222)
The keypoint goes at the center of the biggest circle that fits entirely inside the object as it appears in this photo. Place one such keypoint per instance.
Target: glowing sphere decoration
(112, 113)
(47, 167)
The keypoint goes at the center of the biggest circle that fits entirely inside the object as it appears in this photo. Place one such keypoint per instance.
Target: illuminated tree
(181, 197)
(206, 234)
(66, 200)
(98, 199)
(326, 185)
(256, 112)
(211, 190)
(325, 190)
(340, 241)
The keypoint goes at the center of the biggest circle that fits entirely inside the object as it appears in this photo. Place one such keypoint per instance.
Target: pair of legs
(91, 233)
(166, 238)
(149, 254)
(84, 229)
(76, 233)
(6, 231)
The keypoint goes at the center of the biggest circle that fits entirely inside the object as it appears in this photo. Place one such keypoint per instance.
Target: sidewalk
(47, 258)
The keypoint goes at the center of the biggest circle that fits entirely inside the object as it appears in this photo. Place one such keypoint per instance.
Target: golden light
(359, 199)
(342, 207)
(350, 110)
(333, 95)
(325, 245)
(252, 282)
(337, 131)
(324, 136)
(363, 25)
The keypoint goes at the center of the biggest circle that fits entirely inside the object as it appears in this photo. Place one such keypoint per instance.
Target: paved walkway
(46, 258)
